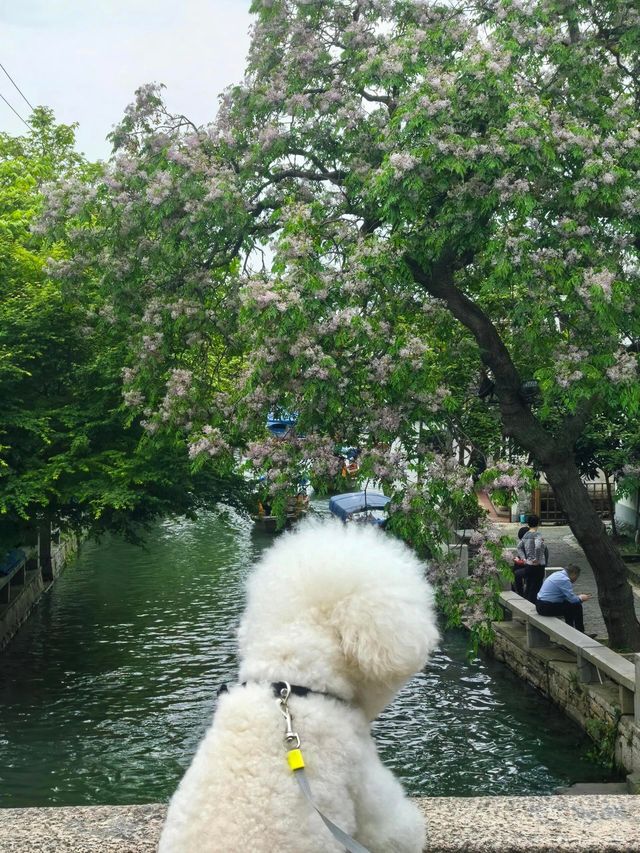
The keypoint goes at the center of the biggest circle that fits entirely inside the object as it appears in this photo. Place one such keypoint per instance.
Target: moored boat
(365, 507)
(296, 508)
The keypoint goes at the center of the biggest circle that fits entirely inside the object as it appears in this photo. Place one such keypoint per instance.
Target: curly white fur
(343, 610)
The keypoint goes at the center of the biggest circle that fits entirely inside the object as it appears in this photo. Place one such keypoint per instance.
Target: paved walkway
(564, 549)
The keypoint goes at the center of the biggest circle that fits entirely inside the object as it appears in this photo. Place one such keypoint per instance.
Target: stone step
(594, 788)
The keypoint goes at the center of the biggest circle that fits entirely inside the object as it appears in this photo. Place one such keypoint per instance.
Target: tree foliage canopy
(401, 201)
(70, 451)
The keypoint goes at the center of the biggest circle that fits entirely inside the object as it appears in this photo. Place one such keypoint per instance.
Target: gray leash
(296, 763)
(349, 843)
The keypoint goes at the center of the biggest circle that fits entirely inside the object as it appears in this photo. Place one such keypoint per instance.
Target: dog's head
(340, 608)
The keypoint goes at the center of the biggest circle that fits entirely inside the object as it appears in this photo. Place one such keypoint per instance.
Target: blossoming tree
(71, 455)
(401, 200)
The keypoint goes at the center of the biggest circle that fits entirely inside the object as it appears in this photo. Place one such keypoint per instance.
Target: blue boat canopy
(280, 426)
(345, 505)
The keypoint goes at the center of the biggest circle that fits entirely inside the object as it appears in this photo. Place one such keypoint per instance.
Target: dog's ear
(387, 631)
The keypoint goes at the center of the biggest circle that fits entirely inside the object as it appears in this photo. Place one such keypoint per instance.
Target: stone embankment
(593, 685)
(578, 824)
(19, 593)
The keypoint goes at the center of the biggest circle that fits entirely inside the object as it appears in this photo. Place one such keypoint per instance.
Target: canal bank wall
(577, 824)
(24, 596)
(597, 705)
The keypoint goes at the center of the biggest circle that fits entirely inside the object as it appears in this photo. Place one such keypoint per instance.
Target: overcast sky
(85, 58)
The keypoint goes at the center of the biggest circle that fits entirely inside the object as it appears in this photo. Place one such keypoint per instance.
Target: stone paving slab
(576, 824)
(588, 824)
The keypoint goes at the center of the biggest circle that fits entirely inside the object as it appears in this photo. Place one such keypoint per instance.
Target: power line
(24, 97)
(14, 110)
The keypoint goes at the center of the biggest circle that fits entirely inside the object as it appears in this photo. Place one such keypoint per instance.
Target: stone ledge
(579, 824)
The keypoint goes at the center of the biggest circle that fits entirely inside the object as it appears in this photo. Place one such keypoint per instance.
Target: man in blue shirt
(557, 598)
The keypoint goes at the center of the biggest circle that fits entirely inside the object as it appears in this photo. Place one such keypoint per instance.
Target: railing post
(536, 638)
(627, 699)
(463, 563)
(586, 670)
(507, 615)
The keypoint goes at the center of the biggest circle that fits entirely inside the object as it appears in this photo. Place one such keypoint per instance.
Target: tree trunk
(552, 453)
(614, 593)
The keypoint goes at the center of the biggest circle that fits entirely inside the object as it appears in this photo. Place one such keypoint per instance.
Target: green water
(107, 689)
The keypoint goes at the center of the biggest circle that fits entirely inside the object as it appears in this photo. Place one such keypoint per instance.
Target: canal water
(107, 689)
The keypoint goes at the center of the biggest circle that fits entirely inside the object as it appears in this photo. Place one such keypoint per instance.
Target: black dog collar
(279, 686)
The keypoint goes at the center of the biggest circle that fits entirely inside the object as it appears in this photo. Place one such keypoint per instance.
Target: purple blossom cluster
(402, 162)
(413, 351)
(179, 383)
(567, 363)
(505, 476)
(449, 470)
(385, 419)
(133, 398)
(432, 400)
(160, 187)
(602, 280)
(152, 345)
(261, 293)
(388, 463)
(210, 442)
(625, 368)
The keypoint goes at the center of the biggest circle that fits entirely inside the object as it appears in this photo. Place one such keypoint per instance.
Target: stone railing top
(564, 634)
(617, 667)
(575, 824)
(515, 602)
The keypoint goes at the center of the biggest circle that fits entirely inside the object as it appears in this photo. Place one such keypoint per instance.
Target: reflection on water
(106, 691)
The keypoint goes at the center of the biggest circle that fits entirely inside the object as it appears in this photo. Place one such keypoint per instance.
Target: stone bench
(592, 657)
(596, 823)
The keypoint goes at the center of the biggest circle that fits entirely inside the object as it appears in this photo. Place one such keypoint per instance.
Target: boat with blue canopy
(280, 425)
(363, 507)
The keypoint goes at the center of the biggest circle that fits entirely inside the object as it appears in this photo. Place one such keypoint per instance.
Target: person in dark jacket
(519, 567)
(533, 553)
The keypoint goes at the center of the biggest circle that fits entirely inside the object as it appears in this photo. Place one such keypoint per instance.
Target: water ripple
(108, 688)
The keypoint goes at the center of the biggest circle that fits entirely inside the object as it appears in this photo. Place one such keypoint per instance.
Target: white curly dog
(343, 614)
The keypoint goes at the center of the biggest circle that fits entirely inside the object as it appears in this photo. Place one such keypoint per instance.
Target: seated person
(557, 598)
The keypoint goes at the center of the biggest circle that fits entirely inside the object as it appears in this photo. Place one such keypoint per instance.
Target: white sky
(85, 58)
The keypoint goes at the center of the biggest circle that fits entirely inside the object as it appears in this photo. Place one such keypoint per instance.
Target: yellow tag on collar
(295, 759)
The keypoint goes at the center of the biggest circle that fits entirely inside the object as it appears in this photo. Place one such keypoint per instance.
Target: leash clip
(291, 738)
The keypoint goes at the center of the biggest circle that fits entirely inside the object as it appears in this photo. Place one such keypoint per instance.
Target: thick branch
(517, 417)
(380, 99)
(573, 425)
(336, 176)
(310, 157)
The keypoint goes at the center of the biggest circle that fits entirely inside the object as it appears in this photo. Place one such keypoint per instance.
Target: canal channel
(107, 689)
